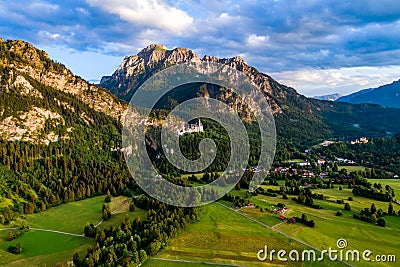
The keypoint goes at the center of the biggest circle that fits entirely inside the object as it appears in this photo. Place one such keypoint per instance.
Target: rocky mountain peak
(135, 69)
(26, 53)
(181, 55)
(152, 53)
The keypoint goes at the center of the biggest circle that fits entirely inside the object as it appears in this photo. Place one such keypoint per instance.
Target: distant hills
(386, 95)
(331, 97)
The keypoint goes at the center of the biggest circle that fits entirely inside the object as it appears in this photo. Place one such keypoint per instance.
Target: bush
(309, 223)
(281, 205)
(107, 199)
(381, 222)
(131, 207)
(339, 213)
(305, 221)
(350, 198)
(347, 207)
(315, 206)
(340, 201)
(17, 249)
(10, 236)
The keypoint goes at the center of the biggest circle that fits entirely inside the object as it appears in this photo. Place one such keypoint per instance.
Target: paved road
(276, 230)
(57, 232)
(46, 230)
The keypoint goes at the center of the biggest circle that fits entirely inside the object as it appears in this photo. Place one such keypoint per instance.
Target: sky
(317, 47)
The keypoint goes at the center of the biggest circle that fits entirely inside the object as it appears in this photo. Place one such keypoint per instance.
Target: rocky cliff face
(134, 70)
(30, 109)
(27, 60)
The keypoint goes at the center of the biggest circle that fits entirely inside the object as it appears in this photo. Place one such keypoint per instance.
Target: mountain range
(60, 136)
(39, 97)
(386, 95)
(331, 97)
(299, 119)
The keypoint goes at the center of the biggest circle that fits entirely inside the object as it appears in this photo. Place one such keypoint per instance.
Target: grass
(119, 215)
(352, 168)
(51, 248)
(295, 160)
(163, 263)
(394, 183)
(329, 227)
(223, 236)
(60, 218)
(41, 247)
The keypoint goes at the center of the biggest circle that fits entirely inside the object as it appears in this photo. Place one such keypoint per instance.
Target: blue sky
(318, 47)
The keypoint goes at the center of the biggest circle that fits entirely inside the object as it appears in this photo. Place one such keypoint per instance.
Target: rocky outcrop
(27, 76)
(134, 70)
(37, 64)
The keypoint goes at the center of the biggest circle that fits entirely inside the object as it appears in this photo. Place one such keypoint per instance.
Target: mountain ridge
(43, 101)
(330, 97)
(387, 95)
(302, 120)
(298, 118)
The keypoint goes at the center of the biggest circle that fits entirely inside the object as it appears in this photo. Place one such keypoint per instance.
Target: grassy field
(223, 236)
(329, 227)
(352, 168)
(50, 248)
(394, 183)
(41, 247)
(59, 218)
(163, 263)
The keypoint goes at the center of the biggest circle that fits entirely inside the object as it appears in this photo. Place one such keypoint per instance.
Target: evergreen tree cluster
(131, 242)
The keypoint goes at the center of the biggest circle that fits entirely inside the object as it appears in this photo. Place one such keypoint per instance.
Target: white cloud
(82, 10)
(255, 40)
(344, 81)
(47, 34)
(151, 13)
(41, 7)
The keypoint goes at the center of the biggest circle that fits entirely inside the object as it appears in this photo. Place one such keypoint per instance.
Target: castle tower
(200, 126)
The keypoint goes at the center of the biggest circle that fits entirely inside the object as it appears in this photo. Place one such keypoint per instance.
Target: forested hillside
(56, 145)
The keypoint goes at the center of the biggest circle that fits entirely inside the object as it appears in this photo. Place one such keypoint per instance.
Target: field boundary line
(197, 262)
(277, 231)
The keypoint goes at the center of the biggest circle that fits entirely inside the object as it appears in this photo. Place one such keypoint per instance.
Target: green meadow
(225, 237)
(329, 227)
(49, 248)
(352, 168)
(41, 247)
(394, 183)
(163, 263)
